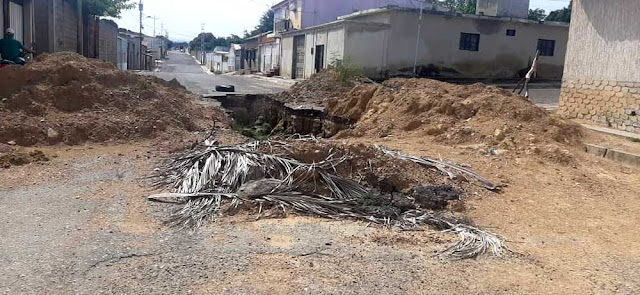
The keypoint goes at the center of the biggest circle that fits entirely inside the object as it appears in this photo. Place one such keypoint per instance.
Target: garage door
(298, 57)
(15, 20)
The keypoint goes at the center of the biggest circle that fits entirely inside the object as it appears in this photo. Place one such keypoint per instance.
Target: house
(19, 16)
(235, 57)
(58, 25)
(218, 60)
(250, 54)
(383, 43)
(137, 59)
(301, 14)
(268, 53)
(601, 80)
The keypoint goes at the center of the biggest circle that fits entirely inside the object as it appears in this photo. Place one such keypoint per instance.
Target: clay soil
(67, 98)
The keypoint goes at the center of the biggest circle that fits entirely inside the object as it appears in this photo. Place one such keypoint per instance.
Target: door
(298, 57)
(319, 58)
(16, 17)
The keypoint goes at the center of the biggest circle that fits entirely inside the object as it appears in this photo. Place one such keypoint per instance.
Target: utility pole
(141, 53)
(415, 57)
(202, 45)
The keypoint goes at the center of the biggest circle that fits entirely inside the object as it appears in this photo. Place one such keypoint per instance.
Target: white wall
(604, 43)
(499, 55)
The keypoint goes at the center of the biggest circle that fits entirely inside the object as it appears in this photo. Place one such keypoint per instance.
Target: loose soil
(457, 114)
(67, 98)
(317, 90)
(21, 158)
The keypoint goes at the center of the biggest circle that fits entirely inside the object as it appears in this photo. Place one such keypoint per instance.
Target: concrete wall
(66, 25)
(499, 55)
(601, 79)
(108, 41)
(286, 56)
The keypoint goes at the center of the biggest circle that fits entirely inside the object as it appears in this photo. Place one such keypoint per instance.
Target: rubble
(67, 98)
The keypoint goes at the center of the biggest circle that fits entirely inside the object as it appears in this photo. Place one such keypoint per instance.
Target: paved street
(189, 73)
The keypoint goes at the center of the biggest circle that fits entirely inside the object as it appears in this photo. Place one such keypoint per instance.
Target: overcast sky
(183, 18)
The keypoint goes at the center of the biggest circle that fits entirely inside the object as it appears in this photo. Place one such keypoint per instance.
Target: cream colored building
(602, 77)
(383, 42)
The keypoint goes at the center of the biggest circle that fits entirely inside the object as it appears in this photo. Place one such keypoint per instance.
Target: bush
(346, 70)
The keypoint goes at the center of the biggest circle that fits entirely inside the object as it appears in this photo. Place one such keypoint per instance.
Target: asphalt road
(188, 72)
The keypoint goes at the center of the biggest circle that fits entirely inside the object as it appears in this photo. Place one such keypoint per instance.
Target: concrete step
(627, 159)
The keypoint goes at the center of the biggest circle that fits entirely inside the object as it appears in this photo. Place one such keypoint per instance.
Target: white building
(382, 43)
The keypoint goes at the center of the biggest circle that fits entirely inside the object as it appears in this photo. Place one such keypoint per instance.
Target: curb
(627, 159)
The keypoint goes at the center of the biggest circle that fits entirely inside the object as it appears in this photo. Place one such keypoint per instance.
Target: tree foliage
(111, 8)
(462, 6)
(211, 41)
(264, 25)
(561, 15)
(537, 14)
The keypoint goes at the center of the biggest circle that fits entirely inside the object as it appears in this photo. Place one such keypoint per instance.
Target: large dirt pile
(455, 114)
(317, 90)
(67, 98)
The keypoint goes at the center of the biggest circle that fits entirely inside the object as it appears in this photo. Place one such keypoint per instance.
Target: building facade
(382, 42)
(301, 14)
(601, 79)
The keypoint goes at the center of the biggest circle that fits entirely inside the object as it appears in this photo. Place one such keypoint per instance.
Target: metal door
(298, 57)
(319, 58)
(16, 20)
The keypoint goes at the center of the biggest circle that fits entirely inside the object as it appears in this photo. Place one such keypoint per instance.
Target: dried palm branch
(449, 169)
(212, 181)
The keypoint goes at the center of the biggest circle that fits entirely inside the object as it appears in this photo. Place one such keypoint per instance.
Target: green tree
(561, 15)
(537, 14)
(468, 7)
(265, 24)
(111, 8)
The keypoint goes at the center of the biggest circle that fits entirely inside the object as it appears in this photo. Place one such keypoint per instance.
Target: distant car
(182, 49)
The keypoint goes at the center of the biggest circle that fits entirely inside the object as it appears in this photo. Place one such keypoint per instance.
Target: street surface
(185, 69)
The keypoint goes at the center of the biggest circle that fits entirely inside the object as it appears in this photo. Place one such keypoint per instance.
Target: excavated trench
(259, 116)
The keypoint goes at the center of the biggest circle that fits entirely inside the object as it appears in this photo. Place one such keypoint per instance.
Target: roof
(279, 3)
(221, 49)
(236, 46)
(460, 15)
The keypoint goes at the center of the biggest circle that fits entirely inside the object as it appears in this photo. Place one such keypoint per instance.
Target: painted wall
(601, 80)
(286, 56)
(499, 55)
(604, 42)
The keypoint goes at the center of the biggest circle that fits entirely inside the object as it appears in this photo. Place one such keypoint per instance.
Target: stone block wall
(609, 103)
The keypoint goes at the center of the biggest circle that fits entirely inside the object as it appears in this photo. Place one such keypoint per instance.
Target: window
(511, 33)
(469, 41)
(546, 47)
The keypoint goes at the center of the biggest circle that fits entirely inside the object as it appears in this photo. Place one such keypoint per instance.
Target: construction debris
(67, 98)
(331, 182)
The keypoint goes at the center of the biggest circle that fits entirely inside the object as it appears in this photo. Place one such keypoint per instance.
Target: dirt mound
(317, 90)
(67, 98)
(21, 158)
(455, 114)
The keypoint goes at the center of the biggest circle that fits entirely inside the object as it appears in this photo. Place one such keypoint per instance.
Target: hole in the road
(259, 117)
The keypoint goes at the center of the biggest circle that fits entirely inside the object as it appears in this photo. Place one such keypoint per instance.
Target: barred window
(469, 42)
(546, 47)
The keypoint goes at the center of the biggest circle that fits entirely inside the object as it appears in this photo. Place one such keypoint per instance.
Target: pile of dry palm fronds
(214, 180)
